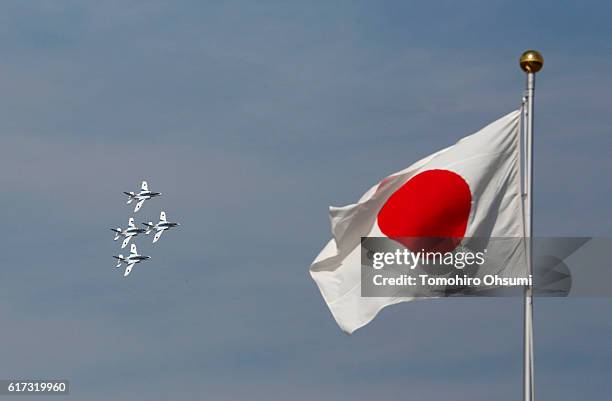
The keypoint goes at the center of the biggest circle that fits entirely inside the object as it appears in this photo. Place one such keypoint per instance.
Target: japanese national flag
(470, 189)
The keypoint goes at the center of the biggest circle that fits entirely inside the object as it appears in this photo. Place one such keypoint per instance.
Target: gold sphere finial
(531, 61)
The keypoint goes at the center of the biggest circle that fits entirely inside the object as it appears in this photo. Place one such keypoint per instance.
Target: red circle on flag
(429, 212)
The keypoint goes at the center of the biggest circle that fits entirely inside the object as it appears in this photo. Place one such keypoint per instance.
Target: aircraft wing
(138, 205)
(158, 235)
(128, 269)
(131, 222)
(133, 250)
(126, 241)
(145, 186)
(162, 216)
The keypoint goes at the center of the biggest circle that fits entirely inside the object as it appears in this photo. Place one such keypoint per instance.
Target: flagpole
(531, 62)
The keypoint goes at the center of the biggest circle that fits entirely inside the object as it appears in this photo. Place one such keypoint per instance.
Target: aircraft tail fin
(119, 260)
(117, 232)
(150, 227)
(130, 196)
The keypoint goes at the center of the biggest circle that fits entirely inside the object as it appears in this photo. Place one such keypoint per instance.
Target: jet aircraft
(142, 196)
(128, 233)
(160, 227)
(130, 260)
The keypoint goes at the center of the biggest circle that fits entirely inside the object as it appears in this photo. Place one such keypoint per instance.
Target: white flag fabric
(470, 189)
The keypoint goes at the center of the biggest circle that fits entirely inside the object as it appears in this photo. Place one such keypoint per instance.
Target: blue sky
(252, 119)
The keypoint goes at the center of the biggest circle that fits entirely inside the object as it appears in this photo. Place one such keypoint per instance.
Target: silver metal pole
(528, 301)
(531, 62)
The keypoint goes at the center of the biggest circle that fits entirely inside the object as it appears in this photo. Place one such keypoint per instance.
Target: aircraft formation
(133, 231)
